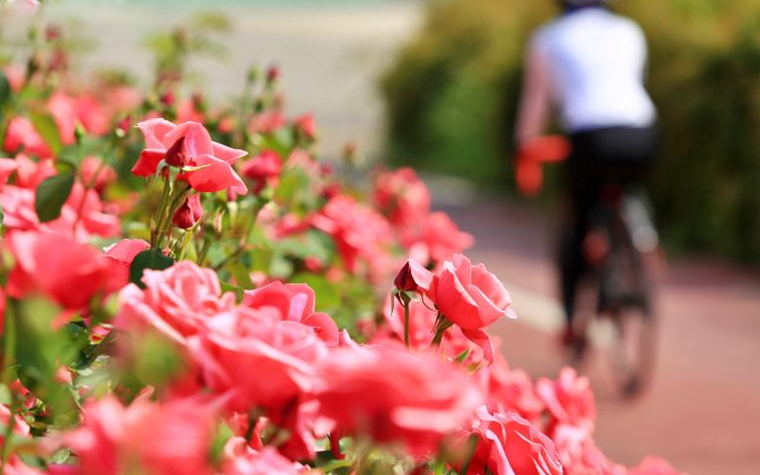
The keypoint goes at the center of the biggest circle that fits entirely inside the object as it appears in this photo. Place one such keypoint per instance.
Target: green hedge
(453, 91)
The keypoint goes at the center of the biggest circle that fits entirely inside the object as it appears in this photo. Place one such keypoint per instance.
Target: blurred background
(434, 84)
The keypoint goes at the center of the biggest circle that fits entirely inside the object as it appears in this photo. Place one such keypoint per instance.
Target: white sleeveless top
(596, 64)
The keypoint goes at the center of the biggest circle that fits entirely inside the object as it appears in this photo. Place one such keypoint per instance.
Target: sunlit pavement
(703, 408)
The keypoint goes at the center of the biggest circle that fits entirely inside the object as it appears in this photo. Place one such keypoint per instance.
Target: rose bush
(171, 307)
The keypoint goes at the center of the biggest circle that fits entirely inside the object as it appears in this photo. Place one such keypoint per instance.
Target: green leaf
(151, 259)
(51, 195)
(45, 125)
(238, 291)
(5, 90)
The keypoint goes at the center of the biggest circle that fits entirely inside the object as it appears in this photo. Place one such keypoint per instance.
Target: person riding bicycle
(590, 64)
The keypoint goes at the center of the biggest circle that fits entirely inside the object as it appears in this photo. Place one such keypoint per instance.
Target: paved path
(703, 410)
(331, 55)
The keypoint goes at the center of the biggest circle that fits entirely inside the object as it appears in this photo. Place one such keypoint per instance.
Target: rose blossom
(125, 251)
(508, 444)
(470, 296)
(654, 466)
(215, 172)
(296, 302)
(510, 390)
(55, 265)
(242, 460)
(438, 240)
(176, 301)
(396, 397)
(569, 400)
(360, 233)
(402, 197)
(284, 354)
(22, 136)
(173, 438)
(262, 170)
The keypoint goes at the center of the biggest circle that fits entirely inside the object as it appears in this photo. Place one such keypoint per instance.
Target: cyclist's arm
(536, 97)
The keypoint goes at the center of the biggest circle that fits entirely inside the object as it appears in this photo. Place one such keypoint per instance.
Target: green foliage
(150, 259)
(452, 97)
(52, 194)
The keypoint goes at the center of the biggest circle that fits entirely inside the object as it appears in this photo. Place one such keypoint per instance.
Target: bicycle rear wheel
(632, 355)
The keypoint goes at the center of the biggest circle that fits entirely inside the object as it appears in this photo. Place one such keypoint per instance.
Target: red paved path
(703, 410)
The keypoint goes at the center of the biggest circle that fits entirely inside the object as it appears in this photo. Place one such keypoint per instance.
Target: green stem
(472, 445)
(406, 321)
(161, 209)
(442, 324)
(243, 243)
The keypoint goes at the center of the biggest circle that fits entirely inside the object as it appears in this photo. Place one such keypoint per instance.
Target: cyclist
(589, 64)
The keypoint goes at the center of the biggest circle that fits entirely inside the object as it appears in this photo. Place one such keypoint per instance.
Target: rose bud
(176, 156)
(167, 99)
(189, 213)
(273, 73)
(414, 278)
(262, 170)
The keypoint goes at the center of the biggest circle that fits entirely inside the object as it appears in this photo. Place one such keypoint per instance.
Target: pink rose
(60, 268)
(569, 401)
(125, 251)
(396, 397)
(510, 390)
(262, 170)
(296, 303)
(161, 439)
(402, 197)
(7, 167)
(470, 296)
(438, 240)
(285, 356)
(508, 444)
(239, 459)
(96, 173)
(22, 136)
(176, 301)
(361, 235)
(580, 456)
(29, 173)
(654, 466)
(83, 214)
(213, 161)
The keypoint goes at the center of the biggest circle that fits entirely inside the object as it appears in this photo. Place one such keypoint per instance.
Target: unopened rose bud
(167, 99)
(176, 156)
(189, 213)
(122, 128)
(273, 74)
(414, 278)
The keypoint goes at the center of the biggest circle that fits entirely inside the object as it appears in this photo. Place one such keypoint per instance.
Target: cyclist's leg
(582, 190)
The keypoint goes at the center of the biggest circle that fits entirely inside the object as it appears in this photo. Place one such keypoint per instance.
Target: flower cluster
(171, 304)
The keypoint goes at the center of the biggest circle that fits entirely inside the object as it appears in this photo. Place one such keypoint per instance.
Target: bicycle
(620, 242)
